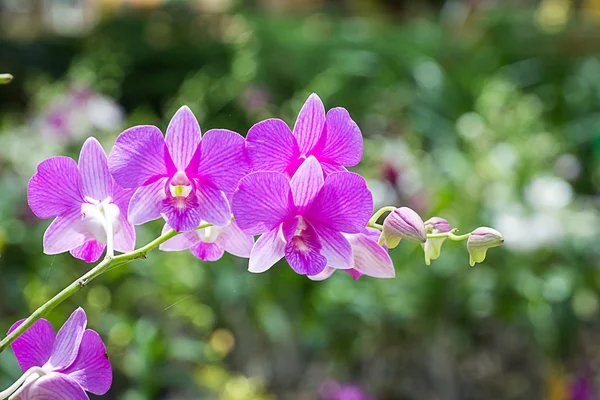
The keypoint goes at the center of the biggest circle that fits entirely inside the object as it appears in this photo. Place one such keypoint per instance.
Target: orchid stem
(379, 213)
(375, 225)
(108, 263)
(449, 235)
(33, 370)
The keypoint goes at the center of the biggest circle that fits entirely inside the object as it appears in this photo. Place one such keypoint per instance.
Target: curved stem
(375, 225)
(449, 235)
(33, 370)
(379, 213)
(106, 264)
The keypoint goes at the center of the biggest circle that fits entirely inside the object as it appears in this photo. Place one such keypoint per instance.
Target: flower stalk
(105, 265)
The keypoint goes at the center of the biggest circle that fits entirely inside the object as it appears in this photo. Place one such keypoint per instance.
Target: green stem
(378, 214)
(106, 264)
(449, 235)
(375, 225)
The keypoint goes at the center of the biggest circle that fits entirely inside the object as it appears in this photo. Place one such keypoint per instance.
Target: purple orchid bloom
(302, 219)
(62, 366)
(209, 244)
(368, 257)
(86, 202)
(181, 177)
(333, 139)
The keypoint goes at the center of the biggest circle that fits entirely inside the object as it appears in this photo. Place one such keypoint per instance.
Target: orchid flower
(333, 139)
(303, 219)
(181, 177)
(210, 243)
(63, 366)
(90, 208)
(368, 258)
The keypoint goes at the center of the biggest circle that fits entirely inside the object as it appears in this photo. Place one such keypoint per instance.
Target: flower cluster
(288, 186)
(215, 192)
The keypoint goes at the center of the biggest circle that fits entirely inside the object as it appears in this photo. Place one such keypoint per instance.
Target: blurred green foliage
(483, 118)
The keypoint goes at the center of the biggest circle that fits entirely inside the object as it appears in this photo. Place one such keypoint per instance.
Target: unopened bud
(402, 223)
(480, 240)
(433, 247)
(5, 78)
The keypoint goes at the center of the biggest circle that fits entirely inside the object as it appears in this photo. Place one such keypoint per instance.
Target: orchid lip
(180, 185)
(95, 215)
(210, 234)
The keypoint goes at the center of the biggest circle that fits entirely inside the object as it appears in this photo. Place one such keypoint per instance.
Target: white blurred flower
(548, 193)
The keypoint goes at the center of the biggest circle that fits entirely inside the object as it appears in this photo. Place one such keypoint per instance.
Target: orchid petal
(54, 189)
(223, 160)
(370, 258)
(268, 249)
(213, 206)
(344, 204)
(262, 202)
(139, 156)
(329, 168)
(309, 124)
(306, 183)
(62, 236)
(34, 346)
(354, 273)
(121, 197)
(271, 146)
(91, 369)
(146, 203)
(326, 273)
(341, 142)
(124, 240)
(180, 242)
(183, 137)
(53, 386)
(96, 181)
(89, 252)
(207, 251)
(234, 241)
(181, 213)
(335, 247)
(68, 340)
(372, 234)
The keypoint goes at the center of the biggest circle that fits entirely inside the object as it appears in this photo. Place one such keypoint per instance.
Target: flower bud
(480, 240)
(433, 247)
(5, 78)
(402, 223)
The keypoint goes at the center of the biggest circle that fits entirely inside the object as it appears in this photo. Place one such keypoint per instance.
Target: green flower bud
(5, 78)
(433, 247)
(402, 223)
(480, 240)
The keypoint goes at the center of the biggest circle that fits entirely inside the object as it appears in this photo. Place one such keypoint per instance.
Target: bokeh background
(484, 112)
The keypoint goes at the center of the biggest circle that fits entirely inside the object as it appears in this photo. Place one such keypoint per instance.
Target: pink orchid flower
(333, 139)
(86, 203)
(303, 219)
(182, 177)
(62, 366)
